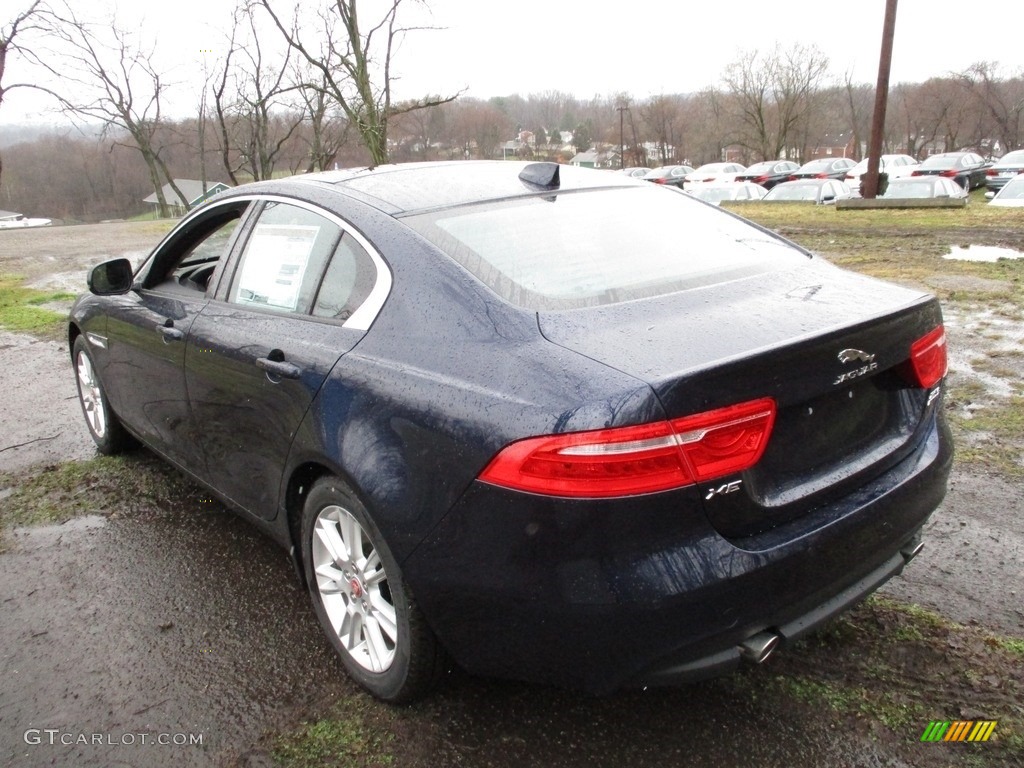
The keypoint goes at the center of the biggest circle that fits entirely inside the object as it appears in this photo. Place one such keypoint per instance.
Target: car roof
(408, 187)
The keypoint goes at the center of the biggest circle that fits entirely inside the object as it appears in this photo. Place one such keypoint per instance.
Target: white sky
(588, 48)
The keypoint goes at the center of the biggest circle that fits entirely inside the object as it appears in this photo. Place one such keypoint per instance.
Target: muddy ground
(166, 615)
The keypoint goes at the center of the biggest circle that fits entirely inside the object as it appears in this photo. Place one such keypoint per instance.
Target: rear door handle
(279, 368)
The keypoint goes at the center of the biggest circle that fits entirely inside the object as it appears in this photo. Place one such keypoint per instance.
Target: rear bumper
(600, 595)
(728, 659)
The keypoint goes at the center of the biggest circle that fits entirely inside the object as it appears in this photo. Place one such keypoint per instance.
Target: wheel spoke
(376, 646)
(352, 535)
(385, 615)
(327, 533)
(331, 579)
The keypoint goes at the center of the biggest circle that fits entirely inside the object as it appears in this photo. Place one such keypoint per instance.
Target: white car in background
(714, 173)
(733, 191)
(1011, 195)
(897, 166)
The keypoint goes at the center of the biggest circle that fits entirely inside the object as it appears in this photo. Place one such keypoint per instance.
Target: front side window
(284, 259)
(192, 253)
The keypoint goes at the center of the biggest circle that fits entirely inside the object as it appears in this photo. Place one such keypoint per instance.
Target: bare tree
(663, 118)
(323, 130)
(254, 119)
(774, 93)
(23, 23)
(353, 62)
(1001, 102)
(108, 76)
(859, 102)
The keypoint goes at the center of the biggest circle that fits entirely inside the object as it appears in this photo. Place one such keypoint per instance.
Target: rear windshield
(601, 247)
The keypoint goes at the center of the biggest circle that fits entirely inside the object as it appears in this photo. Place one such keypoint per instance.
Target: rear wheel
(362, 602)
(108, 434)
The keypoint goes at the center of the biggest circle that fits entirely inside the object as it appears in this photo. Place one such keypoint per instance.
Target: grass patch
(20, 309)
(991, 437)
(107, 485)
(358, 733)
(908, 246)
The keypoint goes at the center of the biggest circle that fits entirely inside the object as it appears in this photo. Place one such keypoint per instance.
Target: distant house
(594, 158)
(512, 149)
(833, 145)
(193, 191)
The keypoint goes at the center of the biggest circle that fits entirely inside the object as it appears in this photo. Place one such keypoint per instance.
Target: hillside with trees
(296, 101)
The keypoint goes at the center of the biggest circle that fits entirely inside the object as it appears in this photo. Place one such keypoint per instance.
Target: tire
(108, 434)
(361, 600)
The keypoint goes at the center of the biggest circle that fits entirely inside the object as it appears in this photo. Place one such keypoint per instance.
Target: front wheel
(362, 602)
(108, 434)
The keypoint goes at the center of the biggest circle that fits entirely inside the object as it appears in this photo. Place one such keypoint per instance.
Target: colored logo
(959, 730)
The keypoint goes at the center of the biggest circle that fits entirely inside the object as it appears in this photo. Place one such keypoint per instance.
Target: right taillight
(646, 458)
(928, 358)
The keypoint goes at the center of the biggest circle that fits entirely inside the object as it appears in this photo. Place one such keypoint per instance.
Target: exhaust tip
(758, 648)
(912, 550)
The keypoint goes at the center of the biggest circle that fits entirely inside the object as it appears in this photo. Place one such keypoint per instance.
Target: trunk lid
(827, 345)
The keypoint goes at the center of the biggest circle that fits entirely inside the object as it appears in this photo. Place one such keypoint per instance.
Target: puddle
(982, 253)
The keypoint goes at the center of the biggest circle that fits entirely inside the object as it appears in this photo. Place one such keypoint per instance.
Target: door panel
(251, 377)
(255, 361)
(147, 330)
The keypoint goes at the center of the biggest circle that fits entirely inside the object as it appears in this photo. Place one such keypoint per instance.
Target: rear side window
(350, 278)
(600, 247)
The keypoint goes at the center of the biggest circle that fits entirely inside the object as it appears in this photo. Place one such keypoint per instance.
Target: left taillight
(647, 458)
(929, 359)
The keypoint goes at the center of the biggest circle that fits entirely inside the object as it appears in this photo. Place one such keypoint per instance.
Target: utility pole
(622, 137)
(869, 184)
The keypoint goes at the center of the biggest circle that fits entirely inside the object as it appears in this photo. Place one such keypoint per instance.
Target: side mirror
(111, 277)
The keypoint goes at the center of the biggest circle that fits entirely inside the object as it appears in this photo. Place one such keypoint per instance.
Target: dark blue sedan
(548, 423)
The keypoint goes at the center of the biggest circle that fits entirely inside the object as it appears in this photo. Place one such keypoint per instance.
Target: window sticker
(275, 263)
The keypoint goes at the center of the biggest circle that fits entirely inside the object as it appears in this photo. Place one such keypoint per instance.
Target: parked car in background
(1004, 169)
(769, 173)
(672, 175)
(635, 171)
(894, 166)
(714, 173)
(968, 169)
(817, 191)
(735, 191)
(824, 168)
(483, 434)
(1011, 195)
(923, 187)
(10, 220)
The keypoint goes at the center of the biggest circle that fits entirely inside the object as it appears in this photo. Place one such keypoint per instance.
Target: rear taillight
(991, 172)
(660, 181)
(627, 461)
(928, 359)
(761, 179)
(918, 173)
(948, 174)
(821, 175)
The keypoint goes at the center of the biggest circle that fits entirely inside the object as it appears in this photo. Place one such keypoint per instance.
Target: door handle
(278, 368)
